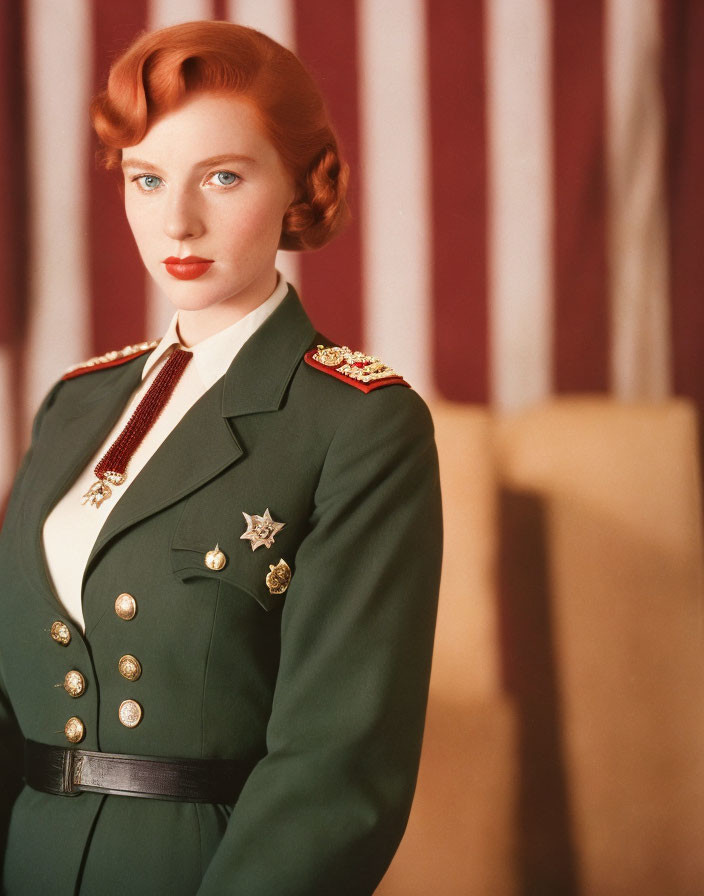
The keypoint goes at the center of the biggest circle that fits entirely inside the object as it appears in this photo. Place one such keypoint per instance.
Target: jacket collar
(257, 379)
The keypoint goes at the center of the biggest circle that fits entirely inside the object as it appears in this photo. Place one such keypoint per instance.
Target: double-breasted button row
(74, 683)
(130, 712)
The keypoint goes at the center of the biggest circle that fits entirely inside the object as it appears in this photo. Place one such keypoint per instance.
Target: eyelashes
(152, 187)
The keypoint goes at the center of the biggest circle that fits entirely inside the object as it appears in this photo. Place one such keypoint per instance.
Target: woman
(221, 556)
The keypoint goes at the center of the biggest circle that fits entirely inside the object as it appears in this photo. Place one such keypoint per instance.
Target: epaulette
(360, 370)
(110, 359)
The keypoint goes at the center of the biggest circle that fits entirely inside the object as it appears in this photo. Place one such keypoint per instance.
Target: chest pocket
(207, 522)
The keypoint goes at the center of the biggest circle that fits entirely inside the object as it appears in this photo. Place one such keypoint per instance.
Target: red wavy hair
(159, 68)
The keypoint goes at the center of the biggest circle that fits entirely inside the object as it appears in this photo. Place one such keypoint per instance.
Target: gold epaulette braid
(110, 359)
(363, 371)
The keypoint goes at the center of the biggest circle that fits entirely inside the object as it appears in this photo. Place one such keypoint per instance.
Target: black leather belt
(69, 771)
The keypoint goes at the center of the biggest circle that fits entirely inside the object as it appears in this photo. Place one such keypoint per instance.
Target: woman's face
(230, 211)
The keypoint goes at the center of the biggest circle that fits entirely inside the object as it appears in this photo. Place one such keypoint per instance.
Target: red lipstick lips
(187, 268)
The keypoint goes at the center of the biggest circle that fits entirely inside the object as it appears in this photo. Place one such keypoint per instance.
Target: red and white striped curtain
(528, 193)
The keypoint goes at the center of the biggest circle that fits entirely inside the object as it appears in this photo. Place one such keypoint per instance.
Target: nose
(183, 217)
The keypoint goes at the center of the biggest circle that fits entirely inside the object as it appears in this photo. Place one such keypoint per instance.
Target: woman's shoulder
(71, 385)
(352, 366)
(109, 359)
(352, 388)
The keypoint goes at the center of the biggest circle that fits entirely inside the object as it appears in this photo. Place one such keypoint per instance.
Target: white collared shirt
(71, 529)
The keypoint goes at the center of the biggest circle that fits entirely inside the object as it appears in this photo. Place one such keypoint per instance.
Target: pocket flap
(243, 568)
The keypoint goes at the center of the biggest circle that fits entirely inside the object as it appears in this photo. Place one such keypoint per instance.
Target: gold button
(74, 730)
(215, 559)
(60, 632)
(129, 667)
(74, 683)
(125, 606)
(130, 713)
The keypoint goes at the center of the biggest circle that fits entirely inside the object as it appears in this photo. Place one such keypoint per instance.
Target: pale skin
(230, 211)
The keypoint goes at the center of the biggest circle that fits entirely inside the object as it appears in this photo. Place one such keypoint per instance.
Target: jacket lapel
(205, 441)
(65, 447)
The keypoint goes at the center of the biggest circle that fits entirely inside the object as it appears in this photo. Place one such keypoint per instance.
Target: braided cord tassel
(112, 467)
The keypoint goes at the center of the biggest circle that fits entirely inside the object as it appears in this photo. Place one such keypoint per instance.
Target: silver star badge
(261, 529)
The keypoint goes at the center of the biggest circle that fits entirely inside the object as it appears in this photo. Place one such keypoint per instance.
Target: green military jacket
(321, 688)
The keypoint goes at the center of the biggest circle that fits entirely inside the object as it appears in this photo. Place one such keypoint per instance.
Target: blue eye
(226, 174)
(149, 179)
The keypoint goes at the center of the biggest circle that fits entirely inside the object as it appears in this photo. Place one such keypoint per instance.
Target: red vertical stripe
(581, 333)
(13, 176)
(14, 234)
(220, 10)
(117, 275)
(684, 94)
(459, 198)
(331, 280)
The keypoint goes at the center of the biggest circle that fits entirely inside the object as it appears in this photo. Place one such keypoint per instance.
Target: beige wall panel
(620, 489)
(460, 838)
(465, 662)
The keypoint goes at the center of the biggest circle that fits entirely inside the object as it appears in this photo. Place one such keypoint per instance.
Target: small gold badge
(215, 559)
(100, 490)
(278, 577)
(261, 529)
(97, 493)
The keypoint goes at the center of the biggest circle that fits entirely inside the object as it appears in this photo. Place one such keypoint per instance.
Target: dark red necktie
(112, 468)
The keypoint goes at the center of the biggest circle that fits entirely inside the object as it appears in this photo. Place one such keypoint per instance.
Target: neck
(195, 325)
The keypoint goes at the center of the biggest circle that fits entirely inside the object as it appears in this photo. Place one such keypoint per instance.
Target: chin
(192, 303)
(190, 295)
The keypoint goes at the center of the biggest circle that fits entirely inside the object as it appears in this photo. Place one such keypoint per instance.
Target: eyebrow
(204, 163)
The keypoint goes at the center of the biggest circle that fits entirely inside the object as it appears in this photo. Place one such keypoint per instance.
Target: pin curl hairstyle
(156, 71)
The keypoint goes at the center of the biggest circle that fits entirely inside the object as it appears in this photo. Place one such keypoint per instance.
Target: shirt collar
(213, 356)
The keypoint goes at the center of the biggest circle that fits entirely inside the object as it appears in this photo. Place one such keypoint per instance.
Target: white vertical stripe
(395, 192)
(274, 18)
(637, 212)
(520, 200)
(59, 162)
(163, 13)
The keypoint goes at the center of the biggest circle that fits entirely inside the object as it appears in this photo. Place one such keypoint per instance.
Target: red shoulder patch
(110, 359)
(360, 370)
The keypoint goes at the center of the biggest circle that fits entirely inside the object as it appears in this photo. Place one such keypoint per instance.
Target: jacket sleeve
(324, 811)
(10, 736)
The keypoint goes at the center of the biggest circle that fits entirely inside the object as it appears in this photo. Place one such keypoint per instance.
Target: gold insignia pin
(260, 529)
(278, 577)
(215, 559)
